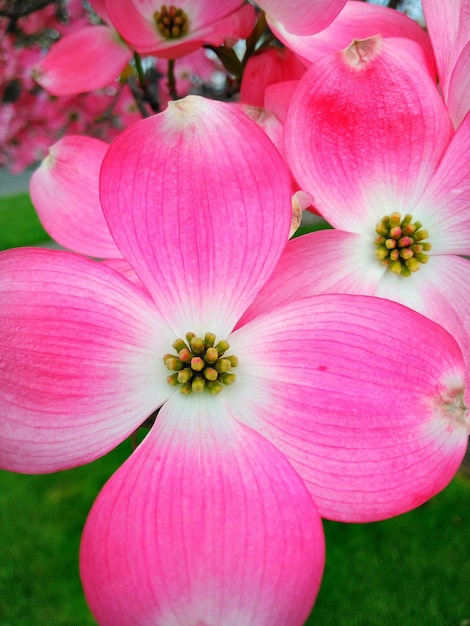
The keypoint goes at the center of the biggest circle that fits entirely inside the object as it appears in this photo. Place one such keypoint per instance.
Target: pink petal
(206, 523)
(99, 7)
(458, 101)
(278, 96)
(135, 22)
(65, 193)
(441, 291)
(448, 24)
(364, 397)
(85, 60)
(271, 65)
(81, 360)
(199, 202)
(358, 20)
(444, 207)
(379, 123)
(301, 17)
(326, 261)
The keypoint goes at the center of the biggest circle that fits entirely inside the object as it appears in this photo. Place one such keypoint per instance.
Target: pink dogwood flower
(368, 135)
(172, 31)
(319, 402)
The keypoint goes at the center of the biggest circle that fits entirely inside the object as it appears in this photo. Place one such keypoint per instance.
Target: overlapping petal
(301, 17)
(206, 523)
(81, 359)
(358, 20)
(444, 206)
(198, 201)
(363, 395)
(448, 24)
(65, 193)
(326, 261)
(377, 129)
(458, 101)
(85, 60)
(433, 292)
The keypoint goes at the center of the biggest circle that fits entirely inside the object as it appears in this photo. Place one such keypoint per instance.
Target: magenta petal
(364, 396)
(81, 359)
(448, 24)
(358, 20)
(444, 206)
(199, 202)
(85, 60)
(441, 291)
(65, 193)
(377, 120)
(206, 523)
(302, 17)
(458, 101)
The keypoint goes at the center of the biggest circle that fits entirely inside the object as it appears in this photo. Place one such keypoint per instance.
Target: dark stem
(171, 79)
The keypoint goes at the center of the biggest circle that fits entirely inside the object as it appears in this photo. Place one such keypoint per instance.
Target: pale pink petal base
(82, 360)
(326, 261)
(363, 395)
(207, 523)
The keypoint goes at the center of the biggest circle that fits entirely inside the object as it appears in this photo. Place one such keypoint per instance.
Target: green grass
(19, 223)
(413, 570)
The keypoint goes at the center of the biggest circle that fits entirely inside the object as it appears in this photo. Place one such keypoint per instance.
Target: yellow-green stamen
(199, 365)
(399, 244)
(171, 22)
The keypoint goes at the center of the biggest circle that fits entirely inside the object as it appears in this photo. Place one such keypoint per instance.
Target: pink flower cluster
(282, 380)
(32, 119)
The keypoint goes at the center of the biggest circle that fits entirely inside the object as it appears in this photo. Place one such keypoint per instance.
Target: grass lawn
(413, 570)
(19, 224)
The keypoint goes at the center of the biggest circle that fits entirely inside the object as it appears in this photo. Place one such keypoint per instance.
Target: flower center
(200, 364)
(399, 244)
(171, 22)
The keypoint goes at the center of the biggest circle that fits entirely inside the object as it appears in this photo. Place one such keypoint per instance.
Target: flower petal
(358, 20)
(377, 119)
(85, 60)
(326, 261)
(81, 359)
(269, 66)
(441, 291)
(135, 21)
(458, 101)
(448, 24)
(302, 17)
(364, 397)
(206, 523)
(65, 193)
(444, 206)
(198, 201)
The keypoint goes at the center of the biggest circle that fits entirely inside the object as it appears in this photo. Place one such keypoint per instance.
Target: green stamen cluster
(399, 244)
(200, 364)
(171, 22)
